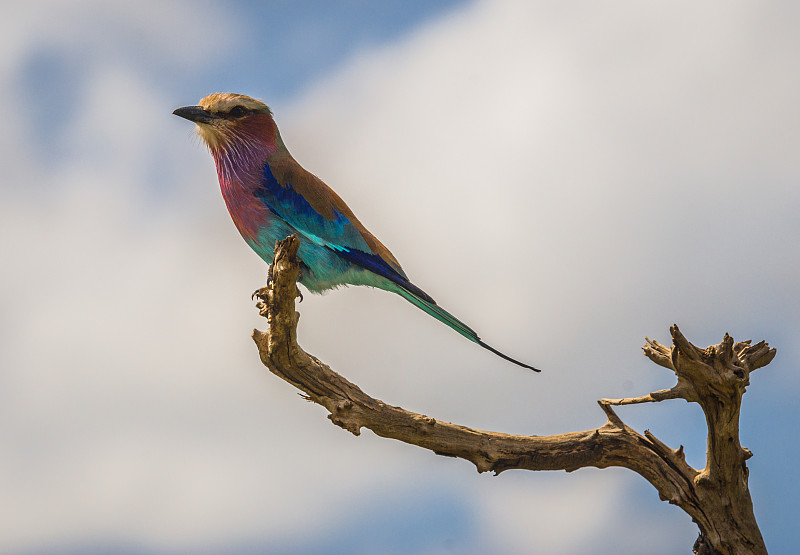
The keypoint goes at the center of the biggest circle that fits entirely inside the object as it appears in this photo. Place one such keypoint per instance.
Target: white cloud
(576, 513)
(616, 167)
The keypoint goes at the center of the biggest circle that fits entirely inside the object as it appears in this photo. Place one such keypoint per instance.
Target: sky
(567, 178)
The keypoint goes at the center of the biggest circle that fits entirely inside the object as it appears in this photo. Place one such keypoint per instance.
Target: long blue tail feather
(430, 307)
(418, 297)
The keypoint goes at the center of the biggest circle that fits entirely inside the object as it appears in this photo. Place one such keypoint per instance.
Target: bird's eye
(237, 111)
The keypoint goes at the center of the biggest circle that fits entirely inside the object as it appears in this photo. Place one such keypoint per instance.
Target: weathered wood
(717, 497)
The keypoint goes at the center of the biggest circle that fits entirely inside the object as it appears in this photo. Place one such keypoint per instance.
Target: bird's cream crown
(222, 103)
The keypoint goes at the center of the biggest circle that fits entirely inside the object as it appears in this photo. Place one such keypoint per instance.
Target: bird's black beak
(195, 114)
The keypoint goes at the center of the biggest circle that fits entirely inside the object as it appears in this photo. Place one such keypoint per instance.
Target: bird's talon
(261, 293)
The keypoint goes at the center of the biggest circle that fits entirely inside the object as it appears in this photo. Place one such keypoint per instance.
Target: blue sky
(622, 166)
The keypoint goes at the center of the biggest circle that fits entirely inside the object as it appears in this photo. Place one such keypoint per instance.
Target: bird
(270, 197)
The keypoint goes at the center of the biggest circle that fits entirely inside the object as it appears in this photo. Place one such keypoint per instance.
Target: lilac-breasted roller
(270, 196)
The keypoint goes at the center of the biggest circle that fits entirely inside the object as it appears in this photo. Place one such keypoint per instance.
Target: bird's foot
(269, 276)
(299, 277)
(262, 293)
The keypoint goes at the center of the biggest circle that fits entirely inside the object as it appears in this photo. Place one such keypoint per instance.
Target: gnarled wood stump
(717, 497)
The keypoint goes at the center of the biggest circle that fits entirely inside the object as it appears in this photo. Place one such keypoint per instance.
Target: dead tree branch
(717, 497)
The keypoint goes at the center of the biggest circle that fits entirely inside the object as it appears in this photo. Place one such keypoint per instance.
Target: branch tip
(613, 419)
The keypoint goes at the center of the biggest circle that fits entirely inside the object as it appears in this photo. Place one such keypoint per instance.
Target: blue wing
(307, 204)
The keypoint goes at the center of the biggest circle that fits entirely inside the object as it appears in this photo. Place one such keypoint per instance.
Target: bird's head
(226, 118)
